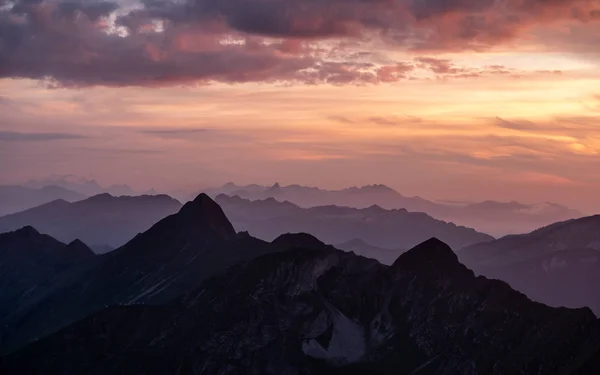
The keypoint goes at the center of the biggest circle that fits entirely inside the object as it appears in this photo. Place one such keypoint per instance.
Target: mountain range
(321, 311)
(374, 225)
(170, 258)
(558, 264)
(15, 198)
(84, 186)
(192, 295)
(495, 218)
(102, 221)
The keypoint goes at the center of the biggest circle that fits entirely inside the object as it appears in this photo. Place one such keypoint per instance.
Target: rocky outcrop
(328, 312)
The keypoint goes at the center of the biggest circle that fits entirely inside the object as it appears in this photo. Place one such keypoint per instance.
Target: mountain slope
(29, 261)
(570, 234)
(14, 198)
(558, 264)
(496, 218)
(332, 224)
(328, 312)
(98, 220)
(170, 258)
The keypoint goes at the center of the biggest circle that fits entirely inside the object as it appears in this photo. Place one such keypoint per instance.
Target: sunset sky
(454, 99)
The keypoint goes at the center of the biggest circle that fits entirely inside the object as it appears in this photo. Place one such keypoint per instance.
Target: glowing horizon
(468, 100)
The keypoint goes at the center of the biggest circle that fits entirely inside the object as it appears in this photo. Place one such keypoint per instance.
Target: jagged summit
(378, 187)
(429, 254)
(206, 212)
(78, 248)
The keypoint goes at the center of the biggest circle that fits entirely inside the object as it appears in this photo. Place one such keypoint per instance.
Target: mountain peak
(297, 240)
(27, 230)
(78, 248)
(203, 198)
(377, 187)
(206, 211)
(432, 254)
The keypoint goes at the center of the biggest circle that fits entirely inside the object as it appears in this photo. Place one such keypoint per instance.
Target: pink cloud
(71, 42)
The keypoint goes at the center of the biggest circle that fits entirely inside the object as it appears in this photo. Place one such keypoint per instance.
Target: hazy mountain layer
(495, 218)
(14, 198)
(558, 264)
(268, 218)
(99, 221)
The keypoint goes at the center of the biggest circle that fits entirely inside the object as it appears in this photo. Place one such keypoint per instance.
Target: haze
(463, 100)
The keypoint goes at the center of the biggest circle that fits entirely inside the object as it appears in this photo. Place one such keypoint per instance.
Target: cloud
(169, 132)
(342, 119)
(10, 136)
(116, 152)
(167, 42)
(522, 125)
(574, 127)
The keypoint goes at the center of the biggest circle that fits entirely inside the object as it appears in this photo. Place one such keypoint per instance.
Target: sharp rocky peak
(78, 247)
(205, 211)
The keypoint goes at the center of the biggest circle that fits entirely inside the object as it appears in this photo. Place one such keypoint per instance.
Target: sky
(454, 99)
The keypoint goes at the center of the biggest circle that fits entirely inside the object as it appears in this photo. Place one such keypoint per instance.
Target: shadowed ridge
(27, 230)
(99, 197)
(28, 240)
(299, 240)
(431, 255)
(78, 248)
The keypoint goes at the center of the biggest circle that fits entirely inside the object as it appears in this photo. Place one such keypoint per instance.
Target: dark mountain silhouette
(496, 218)
(558, 264)
(170, 258)
(328, 312)
(14, 198)
(268, 218)
(28, 261)
(99, 221)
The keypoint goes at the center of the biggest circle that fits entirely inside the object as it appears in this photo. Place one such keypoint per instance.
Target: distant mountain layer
(14, 198)
(332, 224)
(322, 311)
(360, 247)
(496, 218)
(102, 221)
(83, 186)
(558, 264)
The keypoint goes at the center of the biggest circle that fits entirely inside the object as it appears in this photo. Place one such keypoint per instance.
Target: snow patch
(347, 343)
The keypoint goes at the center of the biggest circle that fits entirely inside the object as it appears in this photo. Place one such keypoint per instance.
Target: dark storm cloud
(72, 43)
